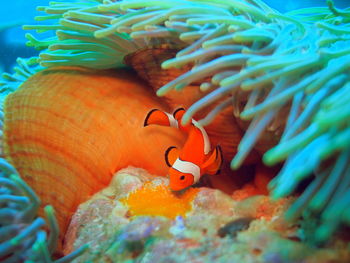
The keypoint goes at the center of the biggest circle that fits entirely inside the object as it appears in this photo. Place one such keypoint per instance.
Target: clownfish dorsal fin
(159, 117)
(171, 154)
(213, 163)
(178, 114)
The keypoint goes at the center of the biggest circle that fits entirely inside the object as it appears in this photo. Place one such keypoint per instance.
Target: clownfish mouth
(177, 189)
(203, 182)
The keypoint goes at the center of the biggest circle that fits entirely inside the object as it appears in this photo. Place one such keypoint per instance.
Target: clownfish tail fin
(214, 162)
(159, 117)
(220, 159)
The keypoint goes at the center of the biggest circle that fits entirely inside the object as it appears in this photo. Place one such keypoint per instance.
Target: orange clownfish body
(195, 158)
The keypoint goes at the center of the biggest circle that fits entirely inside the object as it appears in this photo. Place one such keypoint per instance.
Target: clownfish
(195, 158)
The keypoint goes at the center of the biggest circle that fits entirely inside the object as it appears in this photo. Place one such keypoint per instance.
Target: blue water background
(19, 12)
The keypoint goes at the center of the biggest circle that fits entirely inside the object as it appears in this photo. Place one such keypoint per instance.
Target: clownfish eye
(182, 177)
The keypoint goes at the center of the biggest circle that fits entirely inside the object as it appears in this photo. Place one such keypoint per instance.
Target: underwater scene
(175, 131)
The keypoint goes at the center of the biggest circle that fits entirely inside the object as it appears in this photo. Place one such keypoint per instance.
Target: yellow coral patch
(159, 200)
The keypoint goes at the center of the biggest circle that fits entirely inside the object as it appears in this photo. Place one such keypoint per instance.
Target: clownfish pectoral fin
(214, 162)
(159, 117)
(171, 154)
(178, 114)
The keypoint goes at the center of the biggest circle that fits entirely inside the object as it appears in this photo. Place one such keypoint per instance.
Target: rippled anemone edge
(297, 62)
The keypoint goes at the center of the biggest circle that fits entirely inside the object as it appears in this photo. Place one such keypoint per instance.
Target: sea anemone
(285, 73)
(25, 69)
(22, 234)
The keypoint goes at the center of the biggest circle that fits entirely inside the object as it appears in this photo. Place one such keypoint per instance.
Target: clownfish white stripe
(188, 168)
(205, 136)
(172, 120)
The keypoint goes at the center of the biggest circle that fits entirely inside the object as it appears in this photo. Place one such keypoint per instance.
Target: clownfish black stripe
(166, 155)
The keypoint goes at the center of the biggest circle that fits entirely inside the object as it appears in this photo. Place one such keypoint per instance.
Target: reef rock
(138, 219)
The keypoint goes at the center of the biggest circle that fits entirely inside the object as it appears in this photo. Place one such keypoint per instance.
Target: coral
(216, 229)
(235, 226)
(66, 130)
